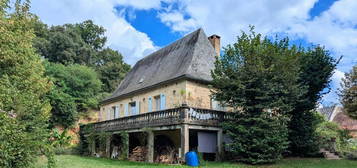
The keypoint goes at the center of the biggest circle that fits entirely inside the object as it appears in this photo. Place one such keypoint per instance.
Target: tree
(24, 109)
(348, 93)
(73, 84)
(83, 44)
(111, 69)
(92, 34)
(315, 70)
(257, 77)
(64, 109)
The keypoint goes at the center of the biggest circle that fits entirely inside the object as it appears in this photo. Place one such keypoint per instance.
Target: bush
(303, 138)
(257, 139)
(328, 135)
(333, 138)
(350, 149)
(16, 150)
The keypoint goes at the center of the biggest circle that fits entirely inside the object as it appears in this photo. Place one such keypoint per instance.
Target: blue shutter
(116, 112)
(163, 102)
(150, 104)
(137, 107)
(126, 110)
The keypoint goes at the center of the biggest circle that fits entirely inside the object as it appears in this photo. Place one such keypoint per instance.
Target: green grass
(72, 161)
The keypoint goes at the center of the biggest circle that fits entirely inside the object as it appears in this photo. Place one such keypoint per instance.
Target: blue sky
(138, 27)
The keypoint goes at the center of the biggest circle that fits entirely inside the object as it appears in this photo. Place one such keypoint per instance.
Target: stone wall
(174, 93)
(192, 93)
(198, 95)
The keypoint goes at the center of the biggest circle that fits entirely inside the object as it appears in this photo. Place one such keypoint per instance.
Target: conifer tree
(258, 78)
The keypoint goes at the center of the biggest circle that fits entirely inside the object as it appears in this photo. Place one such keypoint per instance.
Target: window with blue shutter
(116, 112)
(126, 110)
(150, 104)
(132, 108)
(163, 102)
(137, 107)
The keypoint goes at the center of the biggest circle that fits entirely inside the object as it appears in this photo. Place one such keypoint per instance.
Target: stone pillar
(92, 148)
(107, 146)
(184, 140)
(219, 145)
(150, 146)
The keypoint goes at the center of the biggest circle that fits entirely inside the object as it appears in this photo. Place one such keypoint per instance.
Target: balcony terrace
(177, 125)
(168, 117)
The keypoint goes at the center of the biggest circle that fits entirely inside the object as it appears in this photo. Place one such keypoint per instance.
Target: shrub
(257, 139)
(332, 137)
(328, 135)
(15, 150)
(350, 149)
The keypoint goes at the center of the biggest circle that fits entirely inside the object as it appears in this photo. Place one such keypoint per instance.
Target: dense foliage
(348, 93)
(82, 69)
(82, 44)
(78, 81)
(257, 77)
(316, 66)
(24, 109)
(332, 137)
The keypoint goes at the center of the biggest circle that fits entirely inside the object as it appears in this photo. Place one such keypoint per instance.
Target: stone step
(329, 155)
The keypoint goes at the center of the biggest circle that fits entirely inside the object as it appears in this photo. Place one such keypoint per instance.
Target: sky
(136, 28)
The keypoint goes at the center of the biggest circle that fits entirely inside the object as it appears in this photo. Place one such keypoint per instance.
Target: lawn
(72, 161)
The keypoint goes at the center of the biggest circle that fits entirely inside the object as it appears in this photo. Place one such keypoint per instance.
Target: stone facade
(198, 95)
(182, 92)
(192, 93)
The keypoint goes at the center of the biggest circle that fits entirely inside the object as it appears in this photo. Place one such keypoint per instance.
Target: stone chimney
(216, 43)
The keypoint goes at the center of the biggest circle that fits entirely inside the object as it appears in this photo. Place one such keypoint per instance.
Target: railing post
(184, 113)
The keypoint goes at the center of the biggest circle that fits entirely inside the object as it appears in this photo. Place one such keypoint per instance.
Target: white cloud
(336, 80)
(228, 18)
(140, 4)
(121, 35)
(176, 21)
(335, 28)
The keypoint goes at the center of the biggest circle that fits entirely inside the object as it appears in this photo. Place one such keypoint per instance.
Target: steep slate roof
(190, 57)
(327, 112)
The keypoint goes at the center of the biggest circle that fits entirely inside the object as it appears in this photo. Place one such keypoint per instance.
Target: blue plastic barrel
(192, 159)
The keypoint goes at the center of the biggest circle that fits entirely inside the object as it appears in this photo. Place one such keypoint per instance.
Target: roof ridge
(204, 37)
(171, 44)
(191, 57)
(156, 52)
(199, 32)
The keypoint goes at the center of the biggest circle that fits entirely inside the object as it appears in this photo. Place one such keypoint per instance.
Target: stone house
(168, 93)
